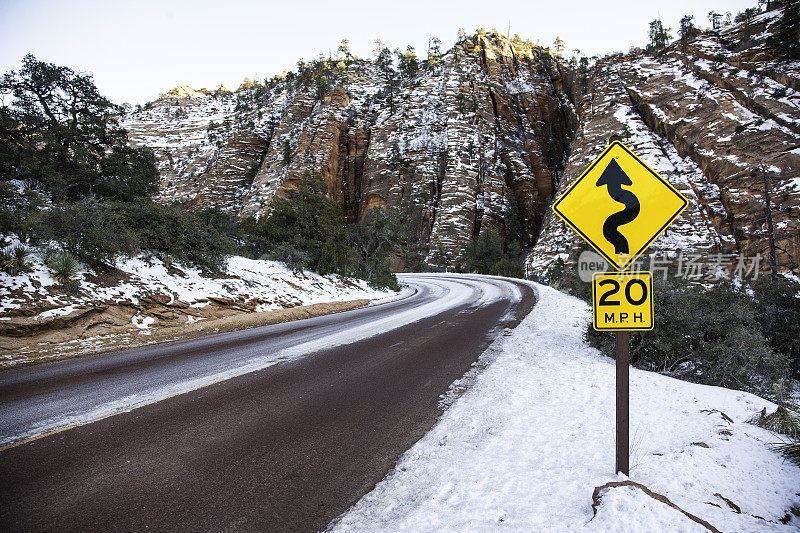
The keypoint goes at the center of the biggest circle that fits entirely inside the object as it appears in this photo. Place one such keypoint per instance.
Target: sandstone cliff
(491, 134)
(452, 147)
(715, 120)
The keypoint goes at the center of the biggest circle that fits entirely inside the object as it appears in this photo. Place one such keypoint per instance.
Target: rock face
(717, 120)
(493, 132)
(452, 147)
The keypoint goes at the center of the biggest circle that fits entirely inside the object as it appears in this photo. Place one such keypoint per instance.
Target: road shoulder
(66, 343)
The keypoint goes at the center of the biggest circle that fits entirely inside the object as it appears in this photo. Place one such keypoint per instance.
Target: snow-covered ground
(525, 446)
(270, 283)
(149, 301)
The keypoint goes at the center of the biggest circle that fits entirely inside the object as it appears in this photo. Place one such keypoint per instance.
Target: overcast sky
(139, 49)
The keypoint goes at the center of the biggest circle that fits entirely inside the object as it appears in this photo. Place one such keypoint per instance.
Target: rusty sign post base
(623, 346)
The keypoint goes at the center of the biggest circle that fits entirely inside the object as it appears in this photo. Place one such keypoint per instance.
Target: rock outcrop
(495, 130)
(716, 122)
(452, 147)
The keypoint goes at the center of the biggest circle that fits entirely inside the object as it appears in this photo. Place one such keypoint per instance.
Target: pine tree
(344, 51)
(687, 32)
(60, 132)
(728, 19)
(287, 153)
(786, 41)
(483, 253)
(383, 60)
(659, 36)
(715, 19)
(558, 46)
(303, 74)
(434, 52)
(407, 62)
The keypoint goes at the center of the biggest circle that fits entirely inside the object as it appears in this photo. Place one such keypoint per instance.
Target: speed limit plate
(622, 301)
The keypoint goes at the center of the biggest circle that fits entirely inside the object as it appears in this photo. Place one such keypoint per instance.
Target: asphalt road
(278, 428)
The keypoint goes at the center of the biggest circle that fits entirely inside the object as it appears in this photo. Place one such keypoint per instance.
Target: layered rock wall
(715, 121)
(451, 147)
(492, 133)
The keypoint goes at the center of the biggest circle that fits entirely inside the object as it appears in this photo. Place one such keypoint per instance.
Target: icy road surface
(45, 398)
(278, 428)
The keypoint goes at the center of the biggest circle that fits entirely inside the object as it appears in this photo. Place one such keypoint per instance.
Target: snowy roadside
(527, 443)
(150, 301)
(268, 284)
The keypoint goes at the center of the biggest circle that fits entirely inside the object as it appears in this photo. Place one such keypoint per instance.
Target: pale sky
(139, 49)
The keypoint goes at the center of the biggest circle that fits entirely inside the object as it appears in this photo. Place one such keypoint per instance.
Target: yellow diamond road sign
(619, 205)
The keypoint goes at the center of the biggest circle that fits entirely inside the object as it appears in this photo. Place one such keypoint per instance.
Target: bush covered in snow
(14, 260)
(485, 255)
(744, 337)
(777, 310)
(101, 232)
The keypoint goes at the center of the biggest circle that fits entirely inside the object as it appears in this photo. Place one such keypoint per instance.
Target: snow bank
(270, 283)
(525, 446)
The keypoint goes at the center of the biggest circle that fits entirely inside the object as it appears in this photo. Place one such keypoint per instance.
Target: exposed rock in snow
(492, 126)
(40, 320)
(448, 147)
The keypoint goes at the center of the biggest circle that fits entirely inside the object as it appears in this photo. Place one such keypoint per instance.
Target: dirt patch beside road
(109, 327)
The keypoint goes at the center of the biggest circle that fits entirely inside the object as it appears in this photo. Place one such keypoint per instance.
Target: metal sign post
(623, 347)
(622, 302)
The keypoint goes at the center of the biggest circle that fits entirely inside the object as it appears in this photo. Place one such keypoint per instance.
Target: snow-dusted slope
(714, 119)
(524, 447)
(40, 320)
(452, 146)
(267, 285)
(487, 136)
(700, 229)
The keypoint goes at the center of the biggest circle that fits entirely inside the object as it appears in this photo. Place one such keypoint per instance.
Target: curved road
(277, 428)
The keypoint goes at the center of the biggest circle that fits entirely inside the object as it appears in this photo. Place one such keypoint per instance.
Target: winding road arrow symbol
(614, 177)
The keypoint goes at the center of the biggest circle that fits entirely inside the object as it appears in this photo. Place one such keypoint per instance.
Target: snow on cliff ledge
(524, 447)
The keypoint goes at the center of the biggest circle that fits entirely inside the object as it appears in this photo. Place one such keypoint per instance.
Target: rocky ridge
(452, 147)
(715, 122)
(492, 133)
